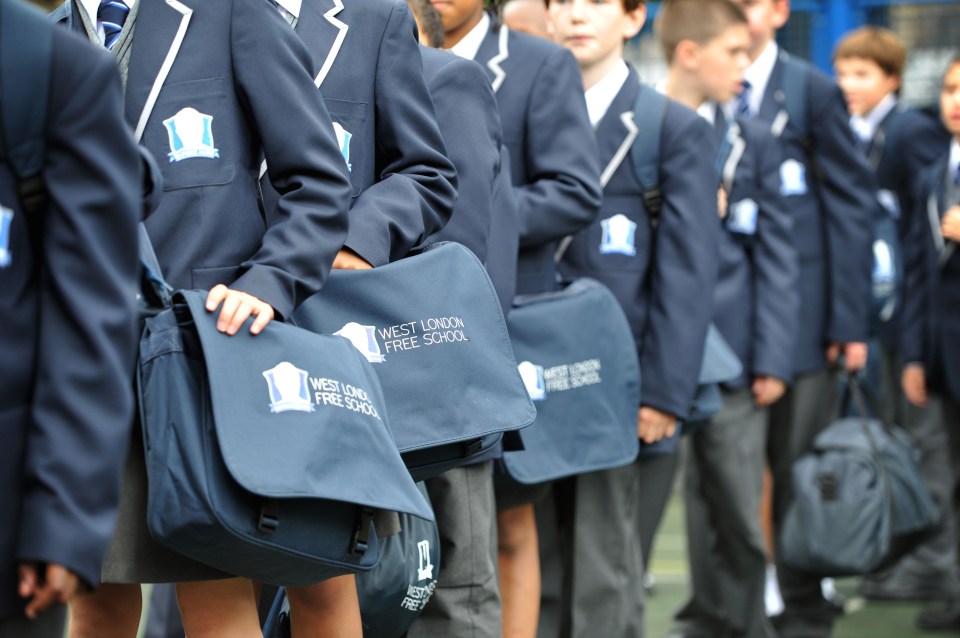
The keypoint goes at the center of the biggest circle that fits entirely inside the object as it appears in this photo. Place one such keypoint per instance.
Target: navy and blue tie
(743, 101)
(112, 14)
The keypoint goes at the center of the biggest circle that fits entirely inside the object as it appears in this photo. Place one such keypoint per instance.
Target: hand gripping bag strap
(578, 360)
(266, 455)
(26, 50)
(434, 331)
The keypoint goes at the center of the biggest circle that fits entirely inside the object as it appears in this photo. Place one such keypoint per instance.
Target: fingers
(346, 259)
(236, 308)
(28, 579)
(59, 586)
(833, 352)
(856, 356)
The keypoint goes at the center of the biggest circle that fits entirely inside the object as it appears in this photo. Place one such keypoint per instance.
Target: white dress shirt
(600, 96)
(470, 44)
(290, 7)
(758, 75)
(865, 126)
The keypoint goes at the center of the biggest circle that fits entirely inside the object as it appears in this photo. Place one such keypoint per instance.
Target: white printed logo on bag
(6, 220)
(532, 376)
(363, 339)
(425, 569)
(619, 234)
(343, 140)
(191, 135)
(793, 178)
(288, 388)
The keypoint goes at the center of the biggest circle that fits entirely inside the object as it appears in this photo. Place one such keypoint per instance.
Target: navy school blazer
(368, 68)
(830, 193)
(757, 298)
(931, 324)
(664, 283)
(554, 169)
(234, 71)
(470, 124)
(68, 281)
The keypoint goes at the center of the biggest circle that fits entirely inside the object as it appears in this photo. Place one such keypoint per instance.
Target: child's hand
(722, 202)
(55, 584)
(237, 308)
(348, 260)
(915, 384)
(767, 390)
(653, 425)
(950, 226)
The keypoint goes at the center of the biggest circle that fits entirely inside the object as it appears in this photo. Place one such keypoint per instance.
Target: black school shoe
(945, 619)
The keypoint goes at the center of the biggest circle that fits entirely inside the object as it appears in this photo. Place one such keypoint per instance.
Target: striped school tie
(112, 14)
(743, 101)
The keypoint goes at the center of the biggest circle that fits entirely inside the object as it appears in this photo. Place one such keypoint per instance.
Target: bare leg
(216, 608)
(326, 610)
(519, 562)
(113, 611)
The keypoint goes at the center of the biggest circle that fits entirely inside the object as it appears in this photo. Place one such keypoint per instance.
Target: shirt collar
(865, 126)
(470, 44)
(708, 111)
(954, 164)
(600, 96)
(758, 75)
(91, 7)
(291, 6)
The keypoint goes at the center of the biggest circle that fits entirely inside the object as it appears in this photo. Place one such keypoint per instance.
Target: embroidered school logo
(343, 139)
(288, 388)
(191, 135)
(425, 570)
(793, 178)
(743, 217)
(532, 376)
(6, 220)
(364, 339)
(618, 236)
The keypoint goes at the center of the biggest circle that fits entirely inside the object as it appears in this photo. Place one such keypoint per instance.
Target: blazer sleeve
(917, 144)
(417, 184)
(685, 263)
(468, 118)
(848, 195)
(916, 275)
(82, 404)
(776, 267)
(562, 194)
(273, 74)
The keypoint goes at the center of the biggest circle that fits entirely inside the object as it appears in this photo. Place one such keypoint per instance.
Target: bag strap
(795, 80)
(26, 49)
(153, 284)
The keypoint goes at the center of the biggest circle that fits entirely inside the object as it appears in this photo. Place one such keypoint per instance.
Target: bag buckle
(360, 541)
(269, 519)
(472, 447)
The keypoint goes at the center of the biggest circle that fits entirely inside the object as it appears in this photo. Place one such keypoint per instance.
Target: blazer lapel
(155, 48)
(493, 52)
(773, 107)
(936, 203)
(731, 160)
(617, 130)
(323, 30)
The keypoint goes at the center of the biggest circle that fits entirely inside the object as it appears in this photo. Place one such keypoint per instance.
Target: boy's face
(720, 63)
(594, 30)
(765, 17)
(950, 100)
(458, 14)
(864, 83)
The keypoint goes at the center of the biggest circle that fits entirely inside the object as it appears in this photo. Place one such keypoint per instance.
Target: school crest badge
(191, 135)
(343, 140)
(532, 376)
(793, 178)
(6, 220)
(743, 217)
(288, 388)
(364, 339)
(619, 235)
(425, 568)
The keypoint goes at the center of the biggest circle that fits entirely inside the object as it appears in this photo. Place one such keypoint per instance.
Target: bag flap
(434, 331)
(300, 415)
(720, 362)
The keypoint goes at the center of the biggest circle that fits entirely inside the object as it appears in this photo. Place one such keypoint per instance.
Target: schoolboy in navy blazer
(368, 69)
(236, 63)
(68, 277)
(546, 129)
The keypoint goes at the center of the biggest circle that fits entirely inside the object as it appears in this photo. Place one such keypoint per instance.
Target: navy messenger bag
(266, 455)
(432, 327)
(578, 360)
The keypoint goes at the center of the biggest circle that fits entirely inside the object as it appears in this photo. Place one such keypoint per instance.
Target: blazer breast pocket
(194, 134)
(356, 147)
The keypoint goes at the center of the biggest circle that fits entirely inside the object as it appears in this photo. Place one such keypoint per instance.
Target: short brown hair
(698, 20)
(874, 43)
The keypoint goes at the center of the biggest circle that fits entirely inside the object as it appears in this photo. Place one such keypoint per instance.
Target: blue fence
(931, 31)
